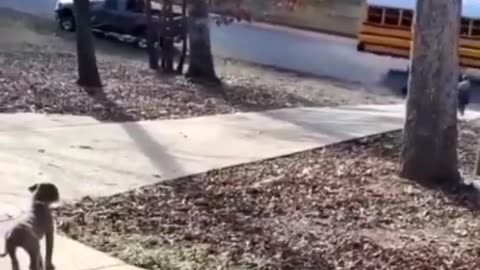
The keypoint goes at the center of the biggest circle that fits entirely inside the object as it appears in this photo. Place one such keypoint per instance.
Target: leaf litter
(36, 78)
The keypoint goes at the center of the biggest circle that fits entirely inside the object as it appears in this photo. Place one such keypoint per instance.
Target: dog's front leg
(49, 250)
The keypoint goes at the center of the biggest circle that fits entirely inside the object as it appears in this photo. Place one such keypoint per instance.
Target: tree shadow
(252, 98)
(394, 80)
(317, 125)
(156, 153)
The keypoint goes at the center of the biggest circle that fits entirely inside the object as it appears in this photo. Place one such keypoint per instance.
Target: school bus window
(392, 16)
(407, 17)
(476, 28)
(375, 14)
(464, 27)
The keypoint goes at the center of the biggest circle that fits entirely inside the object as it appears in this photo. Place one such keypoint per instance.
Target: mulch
(338, 207)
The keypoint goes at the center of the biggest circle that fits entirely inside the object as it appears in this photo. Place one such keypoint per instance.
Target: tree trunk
(201, 59)
(168, 46)
(183, 54)
(151, 37)
(87, 63)
(476, 171)
(430, 135)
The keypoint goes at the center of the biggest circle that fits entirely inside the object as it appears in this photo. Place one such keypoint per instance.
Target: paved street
(306, 52)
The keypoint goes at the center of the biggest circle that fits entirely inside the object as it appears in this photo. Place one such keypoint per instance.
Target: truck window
(135, 6)
(111, 4)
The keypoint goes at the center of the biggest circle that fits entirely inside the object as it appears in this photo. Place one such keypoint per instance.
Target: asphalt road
(302, 51)
(317, 54)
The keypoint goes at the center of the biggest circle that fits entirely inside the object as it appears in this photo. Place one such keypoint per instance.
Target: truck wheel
(67, 23)
(141, 43)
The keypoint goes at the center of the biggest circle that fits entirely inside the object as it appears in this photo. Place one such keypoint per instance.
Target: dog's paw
(50, 267)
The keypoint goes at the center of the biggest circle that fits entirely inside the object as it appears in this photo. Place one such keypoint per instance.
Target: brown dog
(28, 232)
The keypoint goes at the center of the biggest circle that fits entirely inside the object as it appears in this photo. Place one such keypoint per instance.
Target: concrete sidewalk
(85, 157)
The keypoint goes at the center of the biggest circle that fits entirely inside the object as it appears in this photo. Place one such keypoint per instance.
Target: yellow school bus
(386, 29)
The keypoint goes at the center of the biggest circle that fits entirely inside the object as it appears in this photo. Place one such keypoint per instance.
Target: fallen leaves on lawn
(339, 207)
(41, 78)
(37, 81)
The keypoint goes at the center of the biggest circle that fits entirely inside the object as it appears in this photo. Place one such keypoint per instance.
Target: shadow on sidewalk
(253, 98)
(347, 126)
(156, 153)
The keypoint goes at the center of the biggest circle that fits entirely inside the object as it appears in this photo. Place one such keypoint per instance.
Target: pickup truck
(122, 19)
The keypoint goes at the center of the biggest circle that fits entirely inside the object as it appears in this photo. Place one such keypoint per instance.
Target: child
(463, 93)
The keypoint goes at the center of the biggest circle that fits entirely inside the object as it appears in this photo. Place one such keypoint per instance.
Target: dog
(463, 93)
(28, 231)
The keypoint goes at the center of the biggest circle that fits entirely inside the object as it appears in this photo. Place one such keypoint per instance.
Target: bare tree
(430, 134)
(183, 54)
(477, 163)
(88, 75)
(167, 35)
(201, 59)
(151, 36)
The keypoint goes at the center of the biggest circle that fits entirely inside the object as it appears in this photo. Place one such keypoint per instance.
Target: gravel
(338, 207)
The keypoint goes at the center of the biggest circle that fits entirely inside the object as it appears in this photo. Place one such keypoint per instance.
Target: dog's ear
(33, 188)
